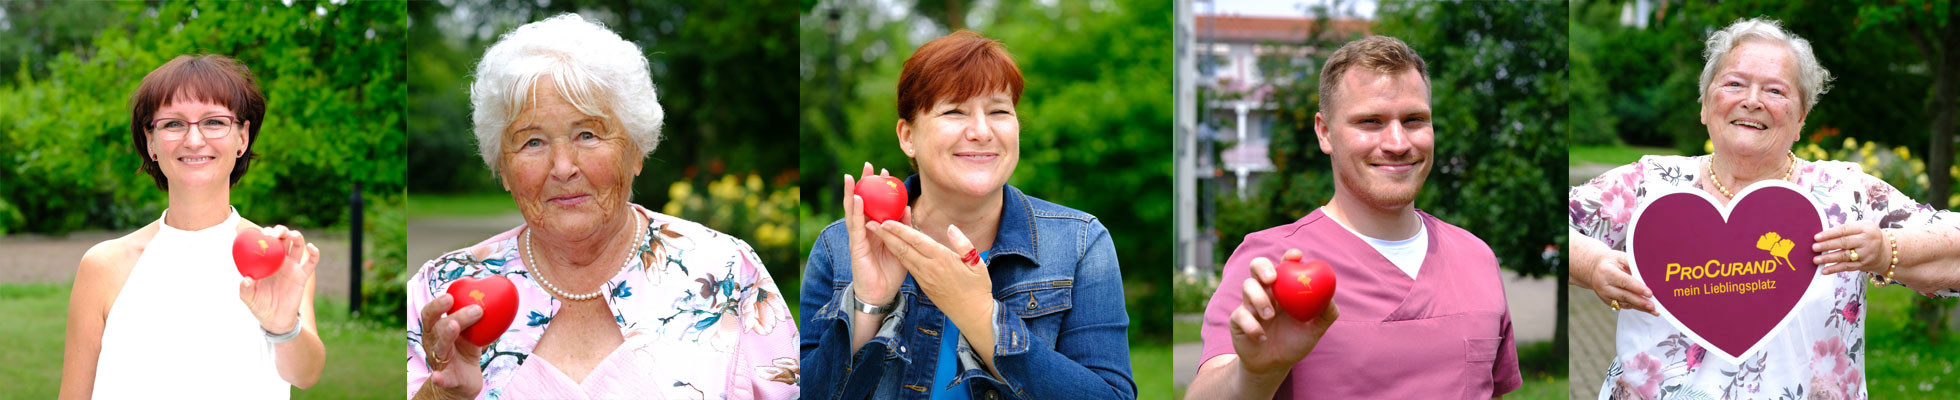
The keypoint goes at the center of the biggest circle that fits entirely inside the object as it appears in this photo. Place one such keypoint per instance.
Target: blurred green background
(334, 80)
(1634, 70)
(1095, 122)
(725, 72)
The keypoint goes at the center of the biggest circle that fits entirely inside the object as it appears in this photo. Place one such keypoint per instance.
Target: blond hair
(1379, 54)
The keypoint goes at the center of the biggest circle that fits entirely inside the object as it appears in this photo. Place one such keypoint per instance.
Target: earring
(153, 156)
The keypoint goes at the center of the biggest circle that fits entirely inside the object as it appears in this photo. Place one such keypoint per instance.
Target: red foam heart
(499, 300)
(1728, 276)
(884, 198)
(256, 254)
(1304, 289)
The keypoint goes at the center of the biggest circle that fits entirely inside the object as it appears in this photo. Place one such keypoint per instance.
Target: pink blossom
(1695, 355)
(1642, 376)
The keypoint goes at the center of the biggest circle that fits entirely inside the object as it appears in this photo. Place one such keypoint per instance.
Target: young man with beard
(1419, 308)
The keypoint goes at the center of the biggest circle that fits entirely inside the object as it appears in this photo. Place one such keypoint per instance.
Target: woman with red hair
(978, 290)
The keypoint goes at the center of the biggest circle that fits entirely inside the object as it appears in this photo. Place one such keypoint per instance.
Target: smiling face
(570, 173)
(1378, 132)
(1754, 108)
(968, 147)
(193, 161)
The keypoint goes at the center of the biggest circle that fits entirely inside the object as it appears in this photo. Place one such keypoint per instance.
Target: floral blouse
(1821, 352)
(699, 314)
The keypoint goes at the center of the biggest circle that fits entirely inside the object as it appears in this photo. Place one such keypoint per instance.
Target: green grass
(1150, 366)
(1901, 362)
(1544, 372)
(364, 359)
(1541, 387)
(1186, 332)
(1613, 155)
(36, 320)
(460, 205)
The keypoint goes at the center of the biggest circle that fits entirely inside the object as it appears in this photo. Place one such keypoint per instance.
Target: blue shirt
(1059, 326)
(948, 365)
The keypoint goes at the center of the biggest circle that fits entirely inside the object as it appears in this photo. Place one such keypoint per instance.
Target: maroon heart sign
(1728, 277)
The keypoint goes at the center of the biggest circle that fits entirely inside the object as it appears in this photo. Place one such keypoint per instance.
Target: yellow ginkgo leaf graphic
(1768, 240)
(1782, 248)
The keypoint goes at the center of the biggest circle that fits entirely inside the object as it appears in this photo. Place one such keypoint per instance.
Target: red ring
(972, 257)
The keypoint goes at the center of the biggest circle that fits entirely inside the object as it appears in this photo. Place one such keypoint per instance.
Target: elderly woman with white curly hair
(612, 300)
(1758, 85)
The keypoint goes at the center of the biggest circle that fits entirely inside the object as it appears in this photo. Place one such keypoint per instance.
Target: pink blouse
(1822, 350)
(700, 316)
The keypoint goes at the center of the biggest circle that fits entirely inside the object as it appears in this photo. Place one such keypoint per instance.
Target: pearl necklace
(531, 259)
(1725, 191)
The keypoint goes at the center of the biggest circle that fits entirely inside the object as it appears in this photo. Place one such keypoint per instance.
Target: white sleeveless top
(178, 328)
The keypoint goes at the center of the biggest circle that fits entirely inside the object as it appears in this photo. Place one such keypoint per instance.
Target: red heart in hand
(884, 198)
(499, 300)
(256, 254)
(1304, 289)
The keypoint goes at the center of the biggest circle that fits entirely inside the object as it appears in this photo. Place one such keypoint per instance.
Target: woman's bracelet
(288, 336)
(1891, 270)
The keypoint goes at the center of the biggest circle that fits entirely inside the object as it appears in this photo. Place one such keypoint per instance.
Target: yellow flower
(680, 190)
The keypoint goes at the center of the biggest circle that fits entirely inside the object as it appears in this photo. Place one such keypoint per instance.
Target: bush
(742, 205)
(384, 276)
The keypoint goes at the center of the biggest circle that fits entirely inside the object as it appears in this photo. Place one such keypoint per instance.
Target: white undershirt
(1406, 254)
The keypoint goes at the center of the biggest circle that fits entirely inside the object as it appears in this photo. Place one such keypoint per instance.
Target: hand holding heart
(276, 299)
(875, 272)
(1265, 342)
(963, 291)
(1874, 253)
(1613, 281)
(452, 358)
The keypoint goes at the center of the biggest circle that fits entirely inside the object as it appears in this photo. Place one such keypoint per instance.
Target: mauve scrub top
(1444, 334)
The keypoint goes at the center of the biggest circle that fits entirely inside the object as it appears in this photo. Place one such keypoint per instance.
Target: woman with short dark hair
(164, 294)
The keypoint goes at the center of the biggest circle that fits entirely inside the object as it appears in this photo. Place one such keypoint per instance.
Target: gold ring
(437, 364)
(1616, 305)
(1854, 254)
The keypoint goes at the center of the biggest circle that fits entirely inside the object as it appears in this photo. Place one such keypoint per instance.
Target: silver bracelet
(288, 336)
(859, 305)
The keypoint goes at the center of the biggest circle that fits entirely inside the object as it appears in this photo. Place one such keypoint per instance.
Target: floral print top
(1820, 354)
(699, 314)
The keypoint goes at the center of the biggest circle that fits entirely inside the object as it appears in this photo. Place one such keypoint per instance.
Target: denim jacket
(1060, 330)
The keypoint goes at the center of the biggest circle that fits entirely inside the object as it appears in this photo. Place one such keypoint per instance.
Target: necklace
(531, 259)
(1725, 190)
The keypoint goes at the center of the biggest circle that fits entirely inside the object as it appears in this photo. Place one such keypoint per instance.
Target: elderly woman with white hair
(613, 300)
(1758, 85)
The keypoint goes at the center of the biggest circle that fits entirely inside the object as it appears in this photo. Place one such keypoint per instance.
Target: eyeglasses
(211, 128)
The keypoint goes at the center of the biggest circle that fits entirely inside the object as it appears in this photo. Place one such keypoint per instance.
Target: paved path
(1591, 336)
(1585, 171)
(1533, 303)
(430, 237)
(52, 259)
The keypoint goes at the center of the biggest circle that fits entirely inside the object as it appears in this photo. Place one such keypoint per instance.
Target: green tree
(1935, 34)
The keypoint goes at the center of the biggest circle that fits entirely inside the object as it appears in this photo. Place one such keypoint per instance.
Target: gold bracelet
(1891, 270)
(1892, 235)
